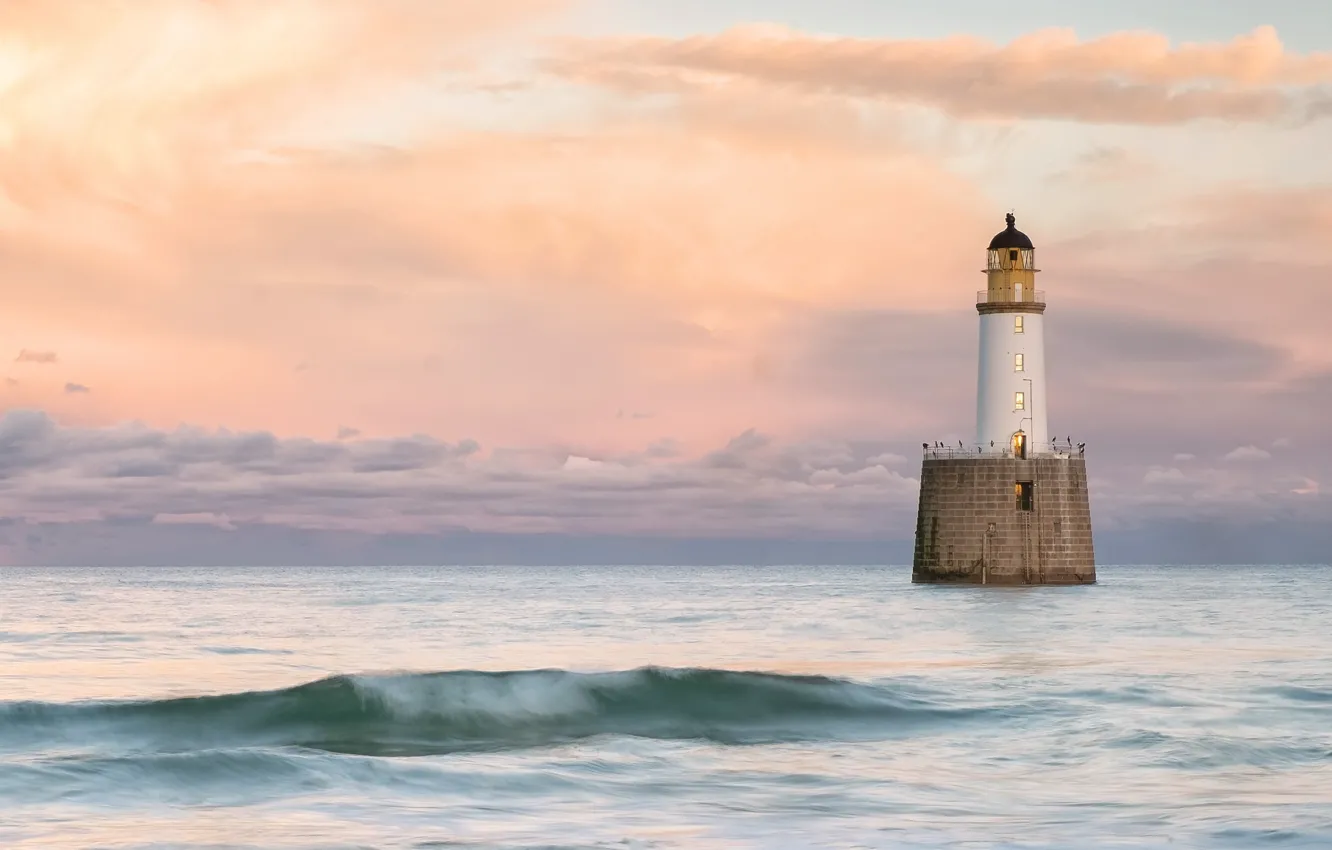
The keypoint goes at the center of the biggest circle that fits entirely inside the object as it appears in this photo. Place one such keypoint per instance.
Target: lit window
(1017, 363)
(1019, 401)
(1017, 324)
(1023, 491)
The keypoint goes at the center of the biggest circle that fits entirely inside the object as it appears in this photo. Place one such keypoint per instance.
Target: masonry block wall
(975, 526)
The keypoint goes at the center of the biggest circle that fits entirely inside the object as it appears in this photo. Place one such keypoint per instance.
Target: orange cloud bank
(526, 284)
(1122, 78)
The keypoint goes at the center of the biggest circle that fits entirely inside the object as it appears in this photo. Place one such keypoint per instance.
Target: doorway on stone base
(1024, 490)
(1020, 445)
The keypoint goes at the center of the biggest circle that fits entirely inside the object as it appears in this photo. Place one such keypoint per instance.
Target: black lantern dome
(1010, 237)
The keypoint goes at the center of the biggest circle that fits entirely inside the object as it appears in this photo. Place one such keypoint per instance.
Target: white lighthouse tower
(1010, 387)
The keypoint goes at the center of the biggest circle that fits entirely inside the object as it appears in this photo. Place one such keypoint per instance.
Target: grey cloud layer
(132, 477)
(1105, 367)
(419, 484)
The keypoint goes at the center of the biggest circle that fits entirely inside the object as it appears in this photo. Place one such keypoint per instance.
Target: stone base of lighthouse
(1005, 521)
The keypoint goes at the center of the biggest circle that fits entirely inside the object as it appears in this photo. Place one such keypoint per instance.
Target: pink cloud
(1244, 260)
(126, 101)
(1132, 78)
(490, 277)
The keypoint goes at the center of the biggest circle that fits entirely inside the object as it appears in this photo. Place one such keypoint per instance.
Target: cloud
(560, 271)
(1178, 352)
(195, 519)
(914, 371)
(877, 356)
(1127, 77)
(26, 356)
(1248, 453)
(1126, 496)
(346, 433)
(1169, 475)
(72, 388)
(197, 79)
(753, 486)
(718, 261)
(1107, 165)
(120, 482)
(886, 459)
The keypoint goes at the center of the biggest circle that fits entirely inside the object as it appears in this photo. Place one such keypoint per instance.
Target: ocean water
(663, 708)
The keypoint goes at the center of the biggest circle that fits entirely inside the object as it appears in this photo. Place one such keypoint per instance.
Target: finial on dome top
(1010, 220)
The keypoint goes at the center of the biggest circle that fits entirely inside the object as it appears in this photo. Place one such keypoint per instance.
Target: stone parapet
(974, 526)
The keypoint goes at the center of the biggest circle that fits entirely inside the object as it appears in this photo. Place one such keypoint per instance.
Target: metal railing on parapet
(1054, 448)
(1007, 296)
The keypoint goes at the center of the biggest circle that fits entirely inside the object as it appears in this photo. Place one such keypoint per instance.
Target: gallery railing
(1010, 296)
(1054, 448)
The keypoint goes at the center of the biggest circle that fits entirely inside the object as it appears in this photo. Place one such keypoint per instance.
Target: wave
(463, 710)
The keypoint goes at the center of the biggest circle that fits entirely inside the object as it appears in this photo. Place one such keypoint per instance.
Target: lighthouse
(1012, 507)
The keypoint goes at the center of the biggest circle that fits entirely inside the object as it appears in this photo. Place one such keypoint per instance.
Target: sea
(663, 707)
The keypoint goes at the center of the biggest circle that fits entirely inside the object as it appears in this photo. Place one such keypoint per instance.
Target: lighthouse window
(1012, 256)
(1017, 363)
(1019, 401)
(1017, 324)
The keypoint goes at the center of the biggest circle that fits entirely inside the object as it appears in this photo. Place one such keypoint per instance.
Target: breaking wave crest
(432, 713)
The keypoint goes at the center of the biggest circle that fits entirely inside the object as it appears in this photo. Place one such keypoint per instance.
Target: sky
(545, 280)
